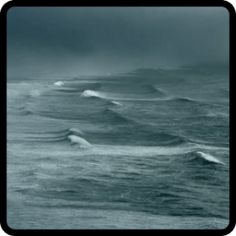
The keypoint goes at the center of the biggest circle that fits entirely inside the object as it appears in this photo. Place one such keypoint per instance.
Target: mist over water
(118, 118)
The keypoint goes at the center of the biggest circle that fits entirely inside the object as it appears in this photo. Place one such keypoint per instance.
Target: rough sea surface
(147, 149)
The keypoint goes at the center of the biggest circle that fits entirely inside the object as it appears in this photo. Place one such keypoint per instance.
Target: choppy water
(147, 149)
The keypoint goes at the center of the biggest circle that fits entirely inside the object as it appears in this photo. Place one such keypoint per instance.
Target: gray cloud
(98, 39)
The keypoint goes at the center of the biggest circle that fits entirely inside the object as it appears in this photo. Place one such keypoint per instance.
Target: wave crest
(59, 83)
(74, 139)
(208, 158)
(92, 93)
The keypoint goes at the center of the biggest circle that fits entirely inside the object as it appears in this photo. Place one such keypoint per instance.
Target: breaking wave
(208, 158)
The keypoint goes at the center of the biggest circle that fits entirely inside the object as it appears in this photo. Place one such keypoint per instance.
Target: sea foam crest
(116, 103)
(209, 157)
(74, 139)
(91, 93)
(59, 83)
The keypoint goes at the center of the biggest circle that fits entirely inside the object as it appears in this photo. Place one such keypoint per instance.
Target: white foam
(91, 93)
(209, 157)
(59, 83)
(116, 103)
(74, 139)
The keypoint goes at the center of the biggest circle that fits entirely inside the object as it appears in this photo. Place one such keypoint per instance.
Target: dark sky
(101, 40)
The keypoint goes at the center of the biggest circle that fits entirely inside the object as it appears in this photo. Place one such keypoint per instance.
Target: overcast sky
(107, 39)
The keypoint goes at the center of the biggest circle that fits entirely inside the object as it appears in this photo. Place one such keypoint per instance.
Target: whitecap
(116, 103)
(91, 93)
(74, 139)
(59, 83)
(209, 158)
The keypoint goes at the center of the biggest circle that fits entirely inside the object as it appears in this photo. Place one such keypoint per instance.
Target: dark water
(147, 149)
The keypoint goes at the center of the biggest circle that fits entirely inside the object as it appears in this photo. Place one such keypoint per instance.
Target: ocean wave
(184, 153)
(100, 114)
(80, 86)
(113, 89)
(53, 136)
(92, 93)
(165, 147)
(74, 139)
(135, 136)
(202, 156)
(75, 131)
(116, 103)
(59, 83)
(160, 91)
(119, 97)
(129, 87)
(208, 158)
(115, 150)
(185, 99)
(66, 90)
(126, 97)
(140, 151)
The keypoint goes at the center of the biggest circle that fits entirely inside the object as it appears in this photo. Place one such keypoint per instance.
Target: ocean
(145, 149)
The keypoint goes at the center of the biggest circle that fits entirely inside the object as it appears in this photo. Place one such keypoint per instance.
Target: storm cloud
(90, 40)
